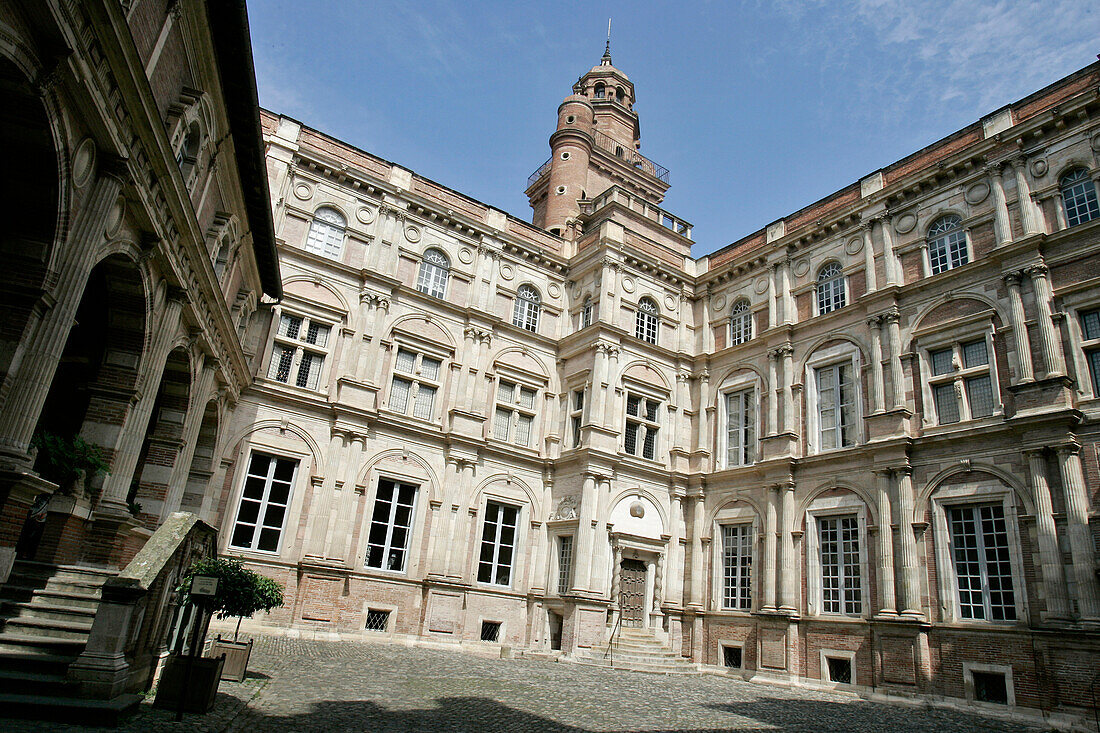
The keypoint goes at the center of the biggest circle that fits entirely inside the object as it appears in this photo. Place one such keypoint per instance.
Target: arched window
(599, 91)
(326, 233)
(188, 154)
(434, 270)
(620, 95)
(586, 312)
(947, 244)
(619, 152)
(740, 322)
(528, 305)
(1079, 197)
(645, 321)
(830, 289)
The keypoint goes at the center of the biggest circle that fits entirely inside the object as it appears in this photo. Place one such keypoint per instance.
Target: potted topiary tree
(241, 593)
(68, 462)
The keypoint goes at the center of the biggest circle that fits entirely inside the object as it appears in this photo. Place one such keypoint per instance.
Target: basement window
(990, 687)
(490, 631)
(840, 670)
(731, 656)
(377, 620)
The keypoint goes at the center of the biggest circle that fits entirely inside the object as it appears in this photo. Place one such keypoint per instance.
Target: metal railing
(611, 642)
(542, 171)
(631, 156)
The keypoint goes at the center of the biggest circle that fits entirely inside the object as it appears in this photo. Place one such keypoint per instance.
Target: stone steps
(638, 651)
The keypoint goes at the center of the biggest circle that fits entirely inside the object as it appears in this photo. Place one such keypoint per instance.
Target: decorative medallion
(628, 284)
(670, 302)
(303, 191)
(83, 162)
(507, 271)
(853, 245)
(553, 291)
(905, 223)
(637, 510)
(761, 285)
(465, 255)
(567, 508)
(977, 193)
(1039, 167)
(365, 214)
(718, 302)
(412, 234)
(577, 293)
(114, 217)
(801, 267)
(1095, 143)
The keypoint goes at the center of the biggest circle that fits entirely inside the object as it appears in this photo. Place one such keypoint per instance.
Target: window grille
(741, 428)
(983, 568)
(498, 541)
(527, 308)
(830, 289)
(1079, 197)
(565, 563)
(646, 321)
(740, 323)
(840, 670)
(326, 233)
(841, 585)
(947, 244)
(300, 341)
(434, 271)
(737, 566)
(490, 631)
(990, 687)
(377, 620)
(731, 656)
(836, 406)
(261, 514)
(391, 525)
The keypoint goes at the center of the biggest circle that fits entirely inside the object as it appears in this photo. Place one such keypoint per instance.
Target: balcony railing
(631, 156)
(542, 171)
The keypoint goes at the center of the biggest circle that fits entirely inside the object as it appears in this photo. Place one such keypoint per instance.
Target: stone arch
(823, 341)
(398, 460)
(640, 491)
(938, 213)
(512, 481)
(423, 327)
(733, 370)
(644, 372)
(333, 298)
(728, 501)
(925, 317)
(234, 444)
(833, 485)
(203, 459)
(924, 496)
(523, 361)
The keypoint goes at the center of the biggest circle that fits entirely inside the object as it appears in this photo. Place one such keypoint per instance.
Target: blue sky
(757, 108)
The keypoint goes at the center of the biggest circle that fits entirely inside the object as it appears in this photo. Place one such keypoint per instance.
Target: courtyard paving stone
(349, 685)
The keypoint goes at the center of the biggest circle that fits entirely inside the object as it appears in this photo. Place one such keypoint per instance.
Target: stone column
(598, 556)
(707, 340)
(375, 352)
(894, 275)
(538, 582)
(1028, 217)
(442, 518)
(907, 546)
(697, 529)
(772, 309)
(898, 397)
(32, 369)
(1080, 536)
(1002, 226)
(788, 563)
(1061, 220)
(773, 393)
(787, 353)
(704, 409)
(1019, 328)
(482, 396)
(491, 273)
(337, 543)
(320, 505)
(658, 581)
(869, 256)
(674, 592)
(1048, 335)
(1054, 581)
(192, 423)
(599, 383)
(615, 576)
(465, 386)
(885, 545)
(878, 398)
(117, 484)
(585, 535)
(607, 290)
(771, 537)
(683, 401)
(785, 291)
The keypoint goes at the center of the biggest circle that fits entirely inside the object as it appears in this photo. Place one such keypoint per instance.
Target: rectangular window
(731, 656)
(299, 350)
(415, 383)
(576, 416)
(1090, 335)
(741, 428)
(498, 542)
(836, 406)
(966, 392)
(565, 563)
(390, 527)
(983, 567)
(841, 585)
(737, 566)
(261, 515)
(514, 418)
(640, 437)
(377, 620)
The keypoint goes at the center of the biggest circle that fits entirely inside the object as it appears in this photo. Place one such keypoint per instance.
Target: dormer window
(947, 244)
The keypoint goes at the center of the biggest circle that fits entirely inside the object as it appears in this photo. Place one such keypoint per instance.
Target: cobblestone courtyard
(315, 685)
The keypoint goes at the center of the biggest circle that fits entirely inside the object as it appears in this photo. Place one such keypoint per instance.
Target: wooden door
(632, 592)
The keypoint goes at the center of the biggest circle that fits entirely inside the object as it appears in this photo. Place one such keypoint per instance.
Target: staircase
(46, 613)
(638, 650)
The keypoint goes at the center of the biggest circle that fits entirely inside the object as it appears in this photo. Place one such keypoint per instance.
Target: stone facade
(858, 446)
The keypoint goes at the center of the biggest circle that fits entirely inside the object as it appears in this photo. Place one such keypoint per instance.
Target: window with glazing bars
(1079, 197)
(415, 383)
(526, 311)
(646, 321)
(740, 323)
(961, 393)
(947, 244)
(261, 514)
(498, 542)
(841, 584)
(836, 406)
(983, 567)
(515, 413)
(1090, 335)
(565, 563)
(298, 351)
(390, 527)
(830, 289)
(326, 233)
(586, 312)
(576, 416)
(737, 566)
(741, 427)
(434, 270)
(640, 438)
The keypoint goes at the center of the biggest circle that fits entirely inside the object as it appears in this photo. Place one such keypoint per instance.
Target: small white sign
(204, 585)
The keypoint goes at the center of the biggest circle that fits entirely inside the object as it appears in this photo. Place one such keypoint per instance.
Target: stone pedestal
(888, 424)
(467, 423)
(356, 395)
(781, 445)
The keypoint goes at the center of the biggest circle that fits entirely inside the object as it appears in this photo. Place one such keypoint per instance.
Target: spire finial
(606, 61)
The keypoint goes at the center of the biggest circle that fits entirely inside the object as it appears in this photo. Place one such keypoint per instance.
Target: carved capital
(1068, 449)
(893, 315)
(1012, 278)
(1037, 272)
